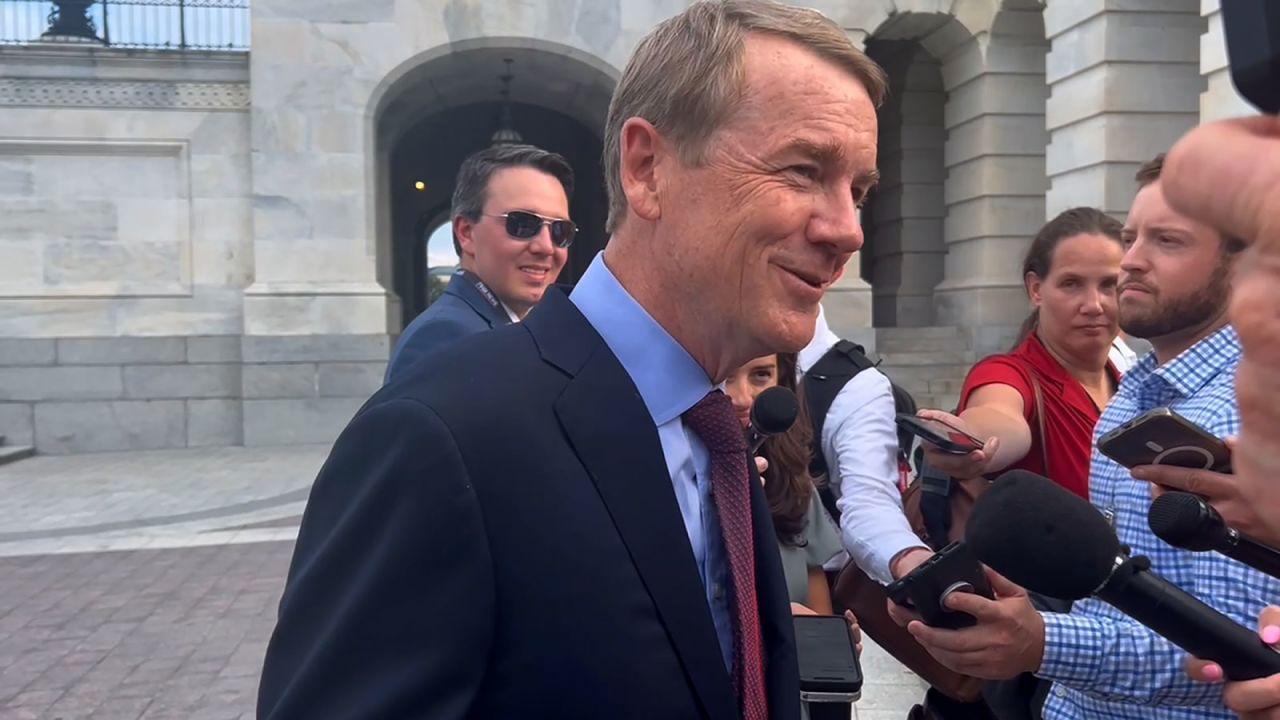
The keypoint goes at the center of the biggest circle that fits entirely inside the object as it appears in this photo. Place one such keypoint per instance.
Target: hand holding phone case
(828, 657)
(941, 435)
(1162, 437)
(925, 589)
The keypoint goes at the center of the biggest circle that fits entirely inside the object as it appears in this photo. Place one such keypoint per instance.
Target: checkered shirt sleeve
(1104, 664)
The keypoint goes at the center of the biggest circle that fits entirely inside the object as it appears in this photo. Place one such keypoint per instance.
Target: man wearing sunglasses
(512, 235)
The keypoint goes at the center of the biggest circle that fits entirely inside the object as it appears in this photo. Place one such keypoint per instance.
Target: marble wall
(124, 192)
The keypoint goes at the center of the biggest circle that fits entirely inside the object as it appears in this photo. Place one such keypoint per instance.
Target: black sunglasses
(524, 225)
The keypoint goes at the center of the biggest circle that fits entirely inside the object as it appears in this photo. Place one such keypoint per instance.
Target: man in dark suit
(556, 519)
(504, 198)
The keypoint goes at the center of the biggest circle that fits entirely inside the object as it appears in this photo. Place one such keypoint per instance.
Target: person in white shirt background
(860, 445)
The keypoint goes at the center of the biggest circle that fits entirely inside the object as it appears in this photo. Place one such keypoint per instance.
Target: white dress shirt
(1121, 355)
(860, 445)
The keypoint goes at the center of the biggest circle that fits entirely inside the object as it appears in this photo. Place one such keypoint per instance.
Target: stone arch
(323, 78)
(969, 174)
(437, 107)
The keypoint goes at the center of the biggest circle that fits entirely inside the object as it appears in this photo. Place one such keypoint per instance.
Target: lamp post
(69, 20)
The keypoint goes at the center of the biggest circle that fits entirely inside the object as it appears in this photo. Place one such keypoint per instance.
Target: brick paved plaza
(158, 634)
(145, 585)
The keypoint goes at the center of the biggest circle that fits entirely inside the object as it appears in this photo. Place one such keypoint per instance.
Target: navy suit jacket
(458, 312)
(495, 535)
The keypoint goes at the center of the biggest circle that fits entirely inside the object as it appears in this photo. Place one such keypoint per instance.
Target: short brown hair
(471, 188)
(1150, 171)
(686, 75)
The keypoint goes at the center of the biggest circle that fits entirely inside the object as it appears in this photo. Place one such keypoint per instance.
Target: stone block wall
(304, 388)
(77, 395)
(125, 205)
(74, 395)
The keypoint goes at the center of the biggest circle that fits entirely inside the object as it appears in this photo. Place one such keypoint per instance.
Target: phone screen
(828, 660)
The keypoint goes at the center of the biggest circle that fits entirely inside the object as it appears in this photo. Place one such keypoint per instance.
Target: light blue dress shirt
(670, 382)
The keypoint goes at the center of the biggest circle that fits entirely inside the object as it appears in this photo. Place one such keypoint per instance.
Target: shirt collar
(667, 377)
(1193, 369)
(823, 340)
(1200, 363)
(511, 313)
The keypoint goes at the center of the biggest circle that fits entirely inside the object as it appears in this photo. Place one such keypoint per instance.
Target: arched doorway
(962, 157)
(440, 112)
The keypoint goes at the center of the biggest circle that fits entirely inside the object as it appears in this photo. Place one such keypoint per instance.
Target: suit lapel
(466, 292)
(777, 629)
(613, 434)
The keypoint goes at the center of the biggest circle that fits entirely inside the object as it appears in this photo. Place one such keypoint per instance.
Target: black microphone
(1049, 540)
(774, 411)
(1186, 521)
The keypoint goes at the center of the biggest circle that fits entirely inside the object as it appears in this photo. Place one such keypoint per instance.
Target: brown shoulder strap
(1039, 410)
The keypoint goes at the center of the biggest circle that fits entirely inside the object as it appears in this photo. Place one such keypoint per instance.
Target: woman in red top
(1070, 271)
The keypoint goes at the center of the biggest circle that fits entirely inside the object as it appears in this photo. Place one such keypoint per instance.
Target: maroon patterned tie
(717, 425)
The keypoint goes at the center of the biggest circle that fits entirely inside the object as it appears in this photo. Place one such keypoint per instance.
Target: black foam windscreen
(1185, 521)
(1042, 537)
(774, 411)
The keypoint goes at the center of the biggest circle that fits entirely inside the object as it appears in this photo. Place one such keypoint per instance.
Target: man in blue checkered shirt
(1174, 292)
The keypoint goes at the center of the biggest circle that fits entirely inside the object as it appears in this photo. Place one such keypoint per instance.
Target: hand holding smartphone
(944, 436)
(926, 588)
(829, 667)
(1163, 437)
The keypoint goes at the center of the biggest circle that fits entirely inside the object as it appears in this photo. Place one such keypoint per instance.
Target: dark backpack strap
(822, 383)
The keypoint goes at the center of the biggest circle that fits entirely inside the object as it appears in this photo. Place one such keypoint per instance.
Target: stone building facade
(219, 248)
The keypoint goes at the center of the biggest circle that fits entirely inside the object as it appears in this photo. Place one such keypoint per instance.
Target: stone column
(1219, 99)
(848, 305)
(316, 318)
(1124, 85)
(995, 172)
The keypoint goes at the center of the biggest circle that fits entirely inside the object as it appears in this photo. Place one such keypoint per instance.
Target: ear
(464, 229)
(1034, 285)
(642, 150)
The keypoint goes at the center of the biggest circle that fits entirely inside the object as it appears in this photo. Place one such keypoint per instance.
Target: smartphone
(945, 436)
(926, 588)
(1163, 437)
(829, 668)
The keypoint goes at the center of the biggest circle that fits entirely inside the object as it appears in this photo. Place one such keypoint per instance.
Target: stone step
(946, 386)
(939, 331)
(14, 453)
(920, 343)
(902, 373)
(936, 402)
(916, 385)
(941, 357)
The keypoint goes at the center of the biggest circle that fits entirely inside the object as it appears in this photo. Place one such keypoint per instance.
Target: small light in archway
(419, 186)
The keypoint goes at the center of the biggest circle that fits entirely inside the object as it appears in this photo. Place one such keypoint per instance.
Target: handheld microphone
(774, 411)
(1051, 541)
(1186, 521)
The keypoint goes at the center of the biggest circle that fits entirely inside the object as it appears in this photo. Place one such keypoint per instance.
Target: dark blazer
(495, 535)
(458, 312)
